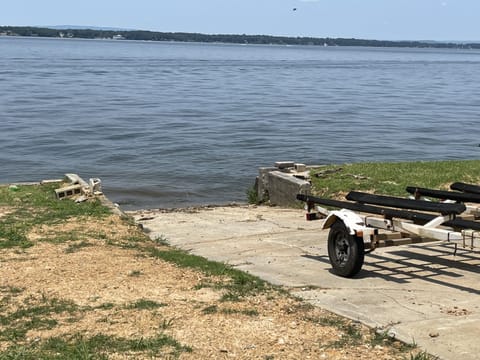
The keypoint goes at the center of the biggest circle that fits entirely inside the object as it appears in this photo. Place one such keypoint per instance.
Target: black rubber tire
(346, 252)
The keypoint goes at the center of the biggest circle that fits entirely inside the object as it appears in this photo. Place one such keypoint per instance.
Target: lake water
(174, 124)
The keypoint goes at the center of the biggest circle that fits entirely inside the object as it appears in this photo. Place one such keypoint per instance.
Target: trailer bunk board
(441, 194)
(468, 188)
(403, 203)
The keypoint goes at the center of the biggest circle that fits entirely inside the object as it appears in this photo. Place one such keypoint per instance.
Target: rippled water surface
(172, 124)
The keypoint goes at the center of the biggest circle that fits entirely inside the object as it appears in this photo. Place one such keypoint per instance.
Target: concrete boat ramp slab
(420, 293)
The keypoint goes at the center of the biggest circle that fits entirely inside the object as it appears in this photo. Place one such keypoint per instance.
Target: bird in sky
(294, 9)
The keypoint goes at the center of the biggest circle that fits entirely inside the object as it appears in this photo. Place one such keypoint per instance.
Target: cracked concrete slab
(420, 293)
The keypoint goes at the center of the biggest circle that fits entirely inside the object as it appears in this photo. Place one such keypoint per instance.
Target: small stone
(81, 198)
(392, 333)
(433, 334)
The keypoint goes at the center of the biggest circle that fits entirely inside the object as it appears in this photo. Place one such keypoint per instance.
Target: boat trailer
(367, 221)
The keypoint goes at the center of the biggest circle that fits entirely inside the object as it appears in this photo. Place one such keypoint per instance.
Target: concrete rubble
(79, 188)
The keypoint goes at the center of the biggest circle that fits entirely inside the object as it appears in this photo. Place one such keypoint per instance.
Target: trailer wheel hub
(342, 250)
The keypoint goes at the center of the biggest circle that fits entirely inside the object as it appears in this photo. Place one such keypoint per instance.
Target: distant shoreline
(76, 33)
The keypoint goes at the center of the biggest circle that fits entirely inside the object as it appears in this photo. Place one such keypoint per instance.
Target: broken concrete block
(283, 188)
(50, 181)
(300, 167)
(68, 191)
(75, 179)
(81, 198)
(95, 186)
(284, 164)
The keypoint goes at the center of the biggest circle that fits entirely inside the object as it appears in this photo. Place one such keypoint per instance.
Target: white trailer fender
(351, 220)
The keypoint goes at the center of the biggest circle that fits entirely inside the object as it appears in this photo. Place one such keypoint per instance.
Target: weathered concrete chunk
(284, 164)
(75, 179)
(300, 167)
(283, 188)
(262, 183)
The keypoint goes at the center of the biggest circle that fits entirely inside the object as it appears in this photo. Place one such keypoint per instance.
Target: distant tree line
(220, 38)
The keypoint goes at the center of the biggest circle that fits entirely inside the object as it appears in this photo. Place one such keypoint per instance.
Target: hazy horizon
(395, 20)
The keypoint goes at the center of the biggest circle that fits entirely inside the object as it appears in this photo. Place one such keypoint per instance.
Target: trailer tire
(345, 251)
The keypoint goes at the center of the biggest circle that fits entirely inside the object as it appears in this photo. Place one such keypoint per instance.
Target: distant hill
(84, 27)
(85, 32)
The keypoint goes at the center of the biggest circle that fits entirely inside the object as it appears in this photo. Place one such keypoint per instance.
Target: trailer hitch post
(311, 215)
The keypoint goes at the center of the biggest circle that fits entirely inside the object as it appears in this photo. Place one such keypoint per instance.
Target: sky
(440, 20)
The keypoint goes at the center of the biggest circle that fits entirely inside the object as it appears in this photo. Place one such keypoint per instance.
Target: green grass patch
(11, 290)
(212, 309)
(252, 195)
(16, 324)
(422, 356)
(384, 339)
(42, 197)
(161, 240)
(144, 304)
(38, 314)
(12, 235)
(96, 347)
(351, 332)
(105, 306)
(6, 295)
(246, 312)
(34, 205)
(135, 239)
(166, 324)
(77, 246)
(240, 284)
(392, 178)
(60, 237)
(352, 335)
